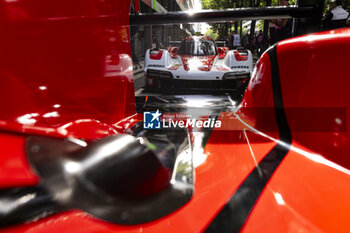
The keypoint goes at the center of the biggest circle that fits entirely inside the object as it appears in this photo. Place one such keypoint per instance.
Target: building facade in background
(159, 36)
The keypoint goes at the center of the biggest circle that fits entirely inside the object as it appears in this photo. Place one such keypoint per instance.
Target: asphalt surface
(139, 81)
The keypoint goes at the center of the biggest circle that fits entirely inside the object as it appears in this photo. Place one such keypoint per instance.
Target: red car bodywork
(66, 71)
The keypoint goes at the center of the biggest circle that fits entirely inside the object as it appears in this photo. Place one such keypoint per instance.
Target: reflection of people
(281, 29)
(336, 17)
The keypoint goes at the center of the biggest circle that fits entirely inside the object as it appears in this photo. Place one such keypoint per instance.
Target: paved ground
(139, 80)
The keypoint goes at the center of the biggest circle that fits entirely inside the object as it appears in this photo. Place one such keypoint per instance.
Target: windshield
(197, 48)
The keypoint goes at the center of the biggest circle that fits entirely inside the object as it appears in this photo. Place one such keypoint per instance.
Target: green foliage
(223, 29)
(217, 4)
(210, 33)
(260, 25)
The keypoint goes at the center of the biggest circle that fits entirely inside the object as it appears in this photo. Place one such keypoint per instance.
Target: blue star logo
(151, 120)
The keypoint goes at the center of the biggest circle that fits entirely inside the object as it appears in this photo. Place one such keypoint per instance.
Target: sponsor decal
(240, 67)
(155, 65)
(174, 68)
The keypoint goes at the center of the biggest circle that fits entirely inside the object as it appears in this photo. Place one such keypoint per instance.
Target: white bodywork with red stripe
(212, 67)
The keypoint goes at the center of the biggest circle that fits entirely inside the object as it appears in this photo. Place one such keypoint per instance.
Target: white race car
(197, 63)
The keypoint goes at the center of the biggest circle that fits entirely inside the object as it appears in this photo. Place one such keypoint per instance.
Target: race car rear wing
(178, 43)
(174, 43)
(308, 13)
(220, 43)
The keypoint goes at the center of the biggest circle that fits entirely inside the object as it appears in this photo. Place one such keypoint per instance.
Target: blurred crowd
(281, 29)
(257, 43)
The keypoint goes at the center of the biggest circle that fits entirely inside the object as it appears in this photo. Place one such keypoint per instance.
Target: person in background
(230, 41)
(252, 42)
(236, 40)
(336, 17)
(245, 41)
(281, 29)
(260, 43)
(273, 33)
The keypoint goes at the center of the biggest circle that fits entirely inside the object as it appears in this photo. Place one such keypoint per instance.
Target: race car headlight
(236, 75)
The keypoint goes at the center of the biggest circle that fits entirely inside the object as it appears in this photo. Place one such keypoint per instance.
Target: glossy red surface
(64, 61)
(208, 198)
(307, 193)
(66, 71)
(259, 96)
(15, 170)
(320, 82)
